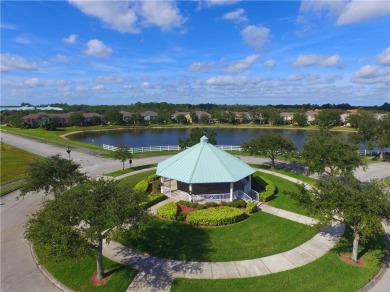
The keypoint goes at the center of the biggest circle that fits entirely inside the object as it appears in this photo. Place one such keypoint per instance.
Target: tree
(330, 154)
(49, 124)
(194, 117)
(375, 131)
(360, 205)
(300, 119)
(180, 118)
(83, 217)
(53, 175)
(76, 119)
(328, 118)
(122, 153)
(195, 135)
(114, 117)
(270, 145)
(204, 118)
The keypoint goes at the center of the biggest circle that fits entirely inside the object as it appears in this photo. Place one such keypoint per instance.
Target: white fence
(167, 148)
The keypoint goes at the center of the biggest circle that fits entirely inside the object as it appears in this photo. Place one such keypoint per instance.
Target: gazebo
(208, 172)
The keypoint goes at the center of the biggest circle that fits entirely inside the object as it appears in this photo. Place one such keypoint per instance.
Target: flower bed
(216, 216)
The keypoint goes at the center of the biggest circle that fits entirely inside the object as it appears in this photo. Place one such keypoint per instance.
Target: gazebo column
(231, 191)
(250, 181)
(190, 193)
(162, 180)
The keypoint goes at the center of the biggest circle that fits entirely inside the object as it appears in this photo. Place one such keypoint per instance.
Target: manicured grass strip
(260, 235)
(76, 273)
(293, 174)
(327, 273)
(283, 199)
(128, 170)
(13, 163)
(11, 187)
(387, 180)
(131, 181)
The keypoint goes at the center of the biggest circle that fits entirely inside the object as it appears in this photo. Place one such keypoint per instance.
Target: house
(125, 115)
(149, 116)
(90, 119)
(32, 120)
(287, 116)
(311, 116)
(243, 117)
(196, 114)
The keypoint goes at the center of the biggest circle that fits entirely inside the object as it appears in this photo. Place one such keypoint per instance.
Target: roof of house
(204, 163)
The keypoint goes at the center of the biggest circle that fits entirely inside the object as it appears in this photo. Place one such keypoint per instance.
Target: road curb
(49, 276)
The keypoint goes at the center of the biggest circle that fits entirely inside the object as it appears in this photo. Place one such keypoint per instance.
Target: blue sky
(225, 52)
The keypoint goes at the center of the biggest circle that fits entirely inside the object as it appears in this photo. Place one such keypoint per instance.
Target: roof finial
(204, 139)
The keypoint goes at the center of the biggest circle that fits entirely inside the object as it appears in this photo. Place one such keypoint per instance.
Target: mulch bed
(346, 258)
(185, 209)
(95, 280)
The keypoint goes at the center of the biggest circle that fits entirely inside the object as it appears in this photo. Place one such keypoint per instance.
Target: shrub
(236, 204)
(184, 203)
(153, 177)
(141, 186)
(181, 216)
(269, 187)
(211, 204)
(216, 216)
(193, 205)
(251, 207)
(153, 199)
(168, 211)
(201, 207)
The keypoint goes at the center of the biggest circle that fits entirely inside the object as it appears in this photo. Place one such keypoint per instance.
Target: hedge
(153, 199)
(168, 211)
(236, 204)
(251, 207)
(216, 216)
(269, 187)
(141, 186)
(153, 177)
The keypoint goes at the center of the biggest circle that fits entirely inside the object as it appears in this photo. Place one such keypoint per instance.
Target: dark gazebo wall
(209, 188)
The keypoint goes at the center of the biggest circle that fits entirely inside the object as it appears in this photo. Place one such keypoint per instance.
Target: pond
(170, 136)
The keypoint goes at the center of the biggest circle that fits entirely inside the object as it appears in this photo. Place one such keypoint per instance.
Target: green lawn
(283, 199)
(260, 235)
(13, 163)
(131, 181)
(387, 180)
(128, 170)
(327, 273)
(76, 273)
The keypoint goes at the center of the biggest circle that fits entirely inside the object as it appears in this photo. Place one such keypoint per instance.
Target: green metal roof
(204, 163)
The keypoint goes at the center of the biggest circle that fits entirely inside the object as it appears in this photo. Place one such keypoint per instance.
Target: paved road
(18, 270)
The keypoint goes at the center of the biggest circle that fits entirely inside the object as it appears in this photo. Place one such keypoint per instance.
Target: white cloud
(270, 63)
(255, 36)
(61, 59)
(357, 11)
(242, 65)
(117, 15)
(7, 26)
(220, 2)
(10, 62)
(32, 82)
(295, 77)
(71, 39)
(237, 16)
(369, 74)
(164, 14)
(321, 60)
(202, 66)
(227, 80)
(96, 48)
(23, 40)
(107, 79)
(127, 16)
(347, 11)
(384, 57)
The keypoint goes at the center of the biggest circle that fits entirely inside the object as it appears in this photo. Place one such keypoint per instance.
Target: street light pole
(68, 151)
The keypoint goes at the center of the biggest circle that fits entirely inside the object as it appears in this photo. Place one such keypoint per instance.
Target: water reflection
(169, 136)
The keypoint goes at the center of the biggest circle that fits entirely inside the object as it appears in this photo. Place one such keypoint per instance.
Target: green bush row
(251, 207)
(168, 211)
(270, 188)
(153, 199)
(153, 177)
(216, 216)
(236, 204)
(141, 186)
